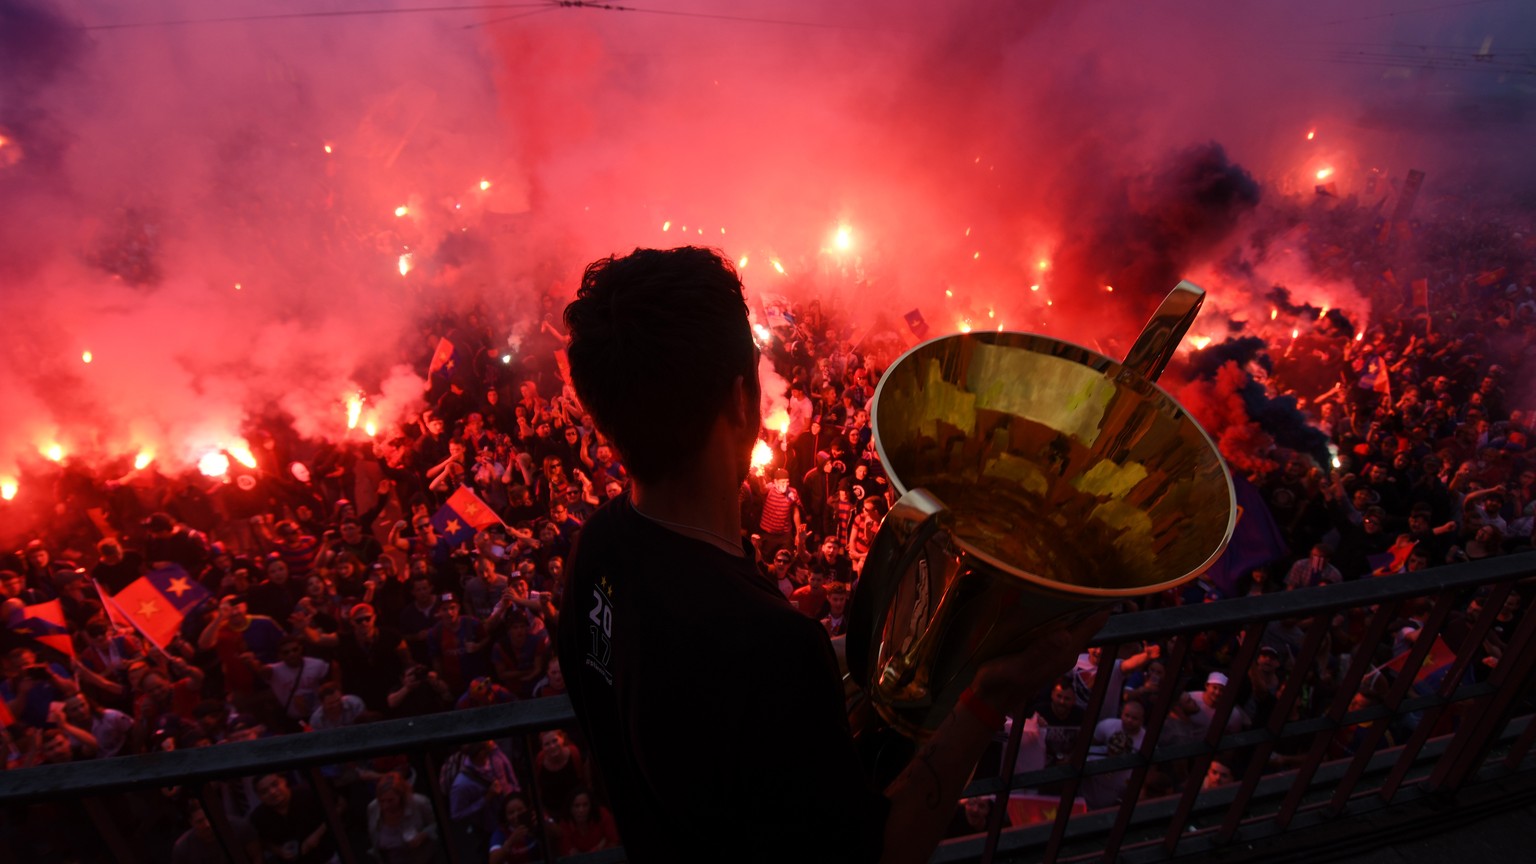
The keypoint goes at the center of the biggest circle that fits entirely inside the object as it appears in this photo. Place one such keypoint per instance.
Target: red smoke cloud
(149, 171)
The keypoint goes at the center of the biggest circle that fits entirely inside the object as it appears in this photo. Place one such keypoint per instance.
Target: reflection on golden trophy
(1039, 480)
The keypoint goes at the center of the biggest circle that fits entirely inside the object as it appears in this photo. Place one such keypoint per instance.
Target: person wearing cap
(371, 657)
(1194, 712)
(456, 645)
(662, 572)
(781, 519)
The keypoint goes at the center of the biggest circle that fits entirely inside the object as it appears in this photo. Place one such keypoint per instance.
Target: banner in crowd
(1256, 540)
(157, 602)
(44, 623)
(463, 516)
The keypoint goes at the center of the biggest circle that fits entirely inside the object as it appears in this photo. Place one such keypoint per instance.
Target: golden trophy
(1039, 481)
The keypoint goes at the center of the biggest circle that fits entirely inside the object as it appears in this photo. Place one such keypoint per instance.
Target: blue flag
(1256, 541)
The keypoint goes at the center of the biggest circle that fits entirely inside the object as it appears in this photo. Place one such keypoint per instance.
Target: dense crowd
(334, 596)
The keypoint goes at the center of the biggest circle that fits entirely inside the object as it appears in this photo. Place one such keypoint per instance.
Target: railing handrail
(93, 778)
(283, 752)
(1160, 623)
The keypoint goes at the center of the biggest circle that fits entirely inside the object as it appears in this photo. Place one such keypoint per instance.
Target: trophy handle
(1164, 330)
(901, 539)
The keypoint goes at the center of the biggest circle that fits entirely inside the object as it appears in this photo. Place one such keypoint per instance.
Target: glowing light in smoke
(484, 185)
(54, 452)
(213, 464)
(965, 326)
(1044, 264)
(991, 313)
(402, 210)
(976, 256)
(762, 335)
(405, 264)
(371, 428)
(7, 489)
(354, 410)
(237, 286)
(85, 356)
(1322, 173)
(742, 262)
(142, 460)
(843, 239)
(1273, 314)
(1311, 133)
(777, 266)
(948, 293)
(762, 456)
(1360, 336)
(667, 225)
(241, 454)
(778, 421)
(506, 358)
(328, 148)
(1295, 333)
(1200, 342)
(1034, 287)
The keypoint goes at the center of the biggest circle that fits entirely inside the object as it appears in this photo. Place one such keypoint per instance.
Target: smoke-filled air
(218, 213)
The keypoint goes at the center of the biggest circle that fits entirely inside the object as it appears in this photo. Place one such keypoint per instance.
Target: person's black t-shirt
(371, 672)
(714, 710)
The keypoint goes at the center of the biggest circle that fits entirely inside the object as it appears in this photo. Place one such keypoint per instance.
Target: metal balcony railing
(1465, 734)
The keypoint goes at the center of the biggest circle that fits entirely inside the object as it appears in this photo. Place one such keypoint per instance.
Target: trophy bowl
(1038, 482)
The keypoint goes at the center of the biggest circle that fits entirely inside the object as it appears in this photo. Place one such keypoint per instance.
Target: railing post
(1290, 693)
(1473, 739)
(1431, 715)
(333, 821)
(1220, 717)
(218, 820)
(425, 763)
(106, 828)
(1154, 727)
(1385, 613)
(1101, 678)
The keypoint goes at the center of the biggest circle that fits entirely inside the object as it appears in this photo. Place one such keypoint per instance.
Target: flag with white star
(463, 516)
(157, 602)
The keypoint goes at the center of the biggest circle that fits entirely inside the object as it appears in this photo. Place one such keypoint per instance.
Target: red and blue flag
(44, 623)
(157, 602)
(463, 516)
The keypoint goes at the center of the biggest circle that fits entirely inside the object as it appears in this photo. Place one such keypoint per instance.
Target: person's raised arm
(923, 797)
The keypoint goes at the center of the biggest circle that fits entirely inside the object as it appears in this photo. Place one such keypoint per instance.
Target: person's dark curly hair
(658, 338)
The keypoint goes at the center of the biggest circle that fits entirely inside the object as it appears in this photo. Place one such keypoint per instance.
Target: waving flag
(44, 624)
(464, 515)
(1436, 662)
(157, 602)
(445, 362)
